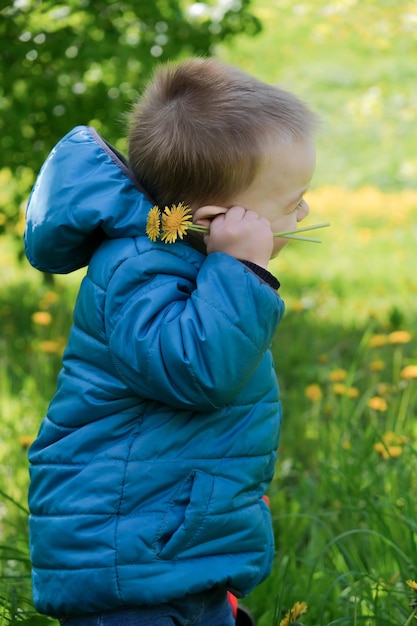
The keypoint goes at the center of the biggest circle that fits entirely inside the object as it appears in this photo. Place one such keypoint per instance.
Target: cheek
(285, 222)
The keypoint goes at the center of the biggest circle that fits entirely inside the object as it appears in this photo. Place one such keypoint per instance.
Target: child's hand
(237, 232)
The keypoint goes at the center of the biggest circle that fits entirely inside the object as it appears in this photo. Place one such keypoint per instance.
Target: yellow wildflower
(50, 347)
(153, 224)
(43, 318)
(338, 375)
(298, 306)
(352, 392)
(377, 403)
(313, 392)
(409, 372)
(376, 341)
(412, 584)
(377, 365)
(175, 222)
(26, 441)
(392, 445)
(390, 452)
(49, 298)
(391, 437)
(293, 614)
(339, 389)
(400, 336)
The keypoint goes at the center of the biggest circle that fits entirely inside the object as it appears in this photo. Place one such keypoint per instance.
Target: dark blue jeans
(210, 608)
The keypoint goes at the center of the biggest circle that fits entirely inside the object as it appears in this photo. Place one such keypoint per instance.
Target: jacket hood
(84, 194)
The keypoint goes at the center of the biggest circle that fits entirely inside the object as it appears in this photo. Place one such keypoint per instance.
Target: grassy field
(344, 496)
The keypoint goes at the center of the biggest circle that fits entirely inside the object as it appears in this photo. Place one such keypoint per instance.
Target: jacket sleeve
(193, 338)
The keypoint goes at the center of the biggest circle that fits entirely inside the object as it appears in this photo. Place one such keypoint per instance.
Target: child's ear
(205, 214)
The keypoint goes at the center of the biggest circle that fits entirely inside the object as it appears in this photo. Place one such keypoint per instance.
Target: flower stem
(410, 618)
(289, 234)
(198, 228)
(303, 229)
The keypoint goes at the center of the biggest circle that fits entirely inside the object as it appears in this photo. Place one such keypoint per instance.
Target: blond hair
(197, 135)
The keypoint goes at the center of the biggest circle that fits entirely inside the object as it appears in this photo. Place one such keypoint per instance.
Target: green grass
(343, 499)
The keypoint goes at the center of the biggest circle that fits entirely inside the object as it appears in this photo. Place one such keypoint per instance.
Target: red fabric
(233, 603)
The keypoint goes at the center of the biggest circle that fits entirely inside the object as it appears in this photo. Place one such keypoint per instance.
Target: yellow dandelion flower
(338, 375)
(49, 298)
(43, 318)
(376, 341)
(352, 392)
(26, 441)
(339, 389)
(392, 445)
(382, 450)
(395, 451)
(377, 365)
(298, 306)
(400, 336)
(388, 452)
(50, 347)
(346, 445)
(293, 614)
(153, 223)
(412, 584)
(313, 392)
(409, 372)
(175, 222)
(377, 404)
(390, 437)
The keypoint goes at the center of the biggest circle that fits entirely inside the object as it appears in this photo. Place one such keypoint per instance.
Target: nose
(303, 211)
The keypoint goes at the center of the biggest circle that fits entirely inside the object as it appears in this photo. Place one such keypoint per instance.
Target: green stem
(405, 403)
(411, 617)
(198, 228)
(303, 229)
(289, 234)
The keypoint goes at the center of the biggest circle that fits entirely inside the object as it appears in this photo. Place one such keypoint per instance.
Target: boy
(150, 467)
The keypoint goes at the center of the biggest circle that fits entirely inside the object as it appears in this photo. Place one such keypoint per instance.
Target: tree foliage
(83, 62)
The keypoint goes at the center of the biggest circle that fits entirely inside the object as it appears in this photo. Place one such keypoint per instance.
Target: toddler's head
(198, 133)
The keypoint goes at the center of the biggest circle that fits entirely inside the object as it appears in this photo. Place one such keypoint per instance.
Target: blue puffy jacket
(148, 472)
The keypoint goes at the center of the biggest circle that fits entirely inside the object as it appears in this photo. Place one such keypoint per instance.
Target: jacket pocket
(186, 515)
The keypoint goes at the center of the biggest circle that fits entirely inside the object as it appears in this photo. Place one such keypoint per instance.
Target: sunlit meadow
(344, 496)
